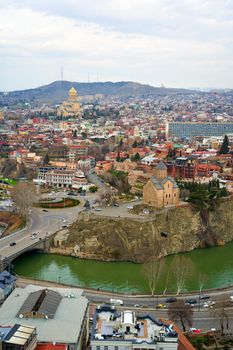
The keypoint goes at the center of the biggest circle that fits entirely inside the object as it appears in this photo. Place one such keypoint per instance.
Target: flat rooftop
(66, 323)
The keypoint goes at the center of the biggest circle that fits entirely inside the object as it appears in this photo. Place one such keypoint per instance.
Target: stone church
(161, 190)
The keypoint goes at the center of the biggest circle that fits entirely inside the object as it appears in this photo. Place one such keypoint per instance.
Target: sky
(177, 43)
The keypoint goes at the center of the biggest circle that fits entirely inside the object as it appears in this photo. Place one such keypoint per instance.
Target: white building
(126, 331)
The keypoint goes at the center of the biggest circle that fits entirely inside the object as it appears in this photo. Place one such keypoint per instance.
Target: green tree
(93, 189)
(46, 159)
(136, 157)
(224, 149)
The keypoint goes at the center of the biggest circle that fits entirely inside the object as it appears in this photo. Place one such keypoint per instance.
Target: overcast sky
(178, 43)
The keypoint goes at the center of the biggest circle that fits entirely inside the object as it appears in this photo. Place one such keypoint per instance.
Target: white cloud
(34, 42)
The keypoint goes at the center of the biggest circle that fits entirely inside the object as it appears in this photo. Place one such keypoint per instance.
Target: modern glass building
(180, 129)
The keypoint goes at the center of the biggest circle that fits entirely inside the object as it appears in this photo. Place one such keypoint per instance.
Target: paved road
(203, 319)
(43, 223)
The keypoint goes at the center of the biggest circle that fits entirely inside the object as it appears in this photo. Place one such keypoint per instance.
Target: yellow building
(161, 190)
(70, 107)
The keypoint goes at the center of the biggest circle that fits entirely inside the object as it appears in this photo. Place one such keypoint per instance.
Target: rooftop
(66, 324)
(109, 325)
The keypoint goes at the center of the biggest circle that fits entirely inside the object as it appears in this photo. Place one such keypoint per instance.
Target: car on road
(209, 303)
(171, 300)
(191, 301)
(116, 302)
(195, 330)
(33, 235)
(130, 207)
(45, 210)
(204, 296)
(162, 306)
(12, 244)
(116, 205)
(98, 209)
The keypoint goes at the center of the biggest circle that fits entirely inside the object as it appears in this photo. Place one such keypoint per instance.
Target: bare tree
(153, 270)
(181, 312)
(202, 279)
(24, 195)
(167, 276)
(182, 267)
(105, 197)
(222, 312)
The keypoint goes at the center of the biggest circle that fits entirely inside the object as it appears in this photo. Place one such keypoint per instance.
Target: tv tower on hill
(61, 73)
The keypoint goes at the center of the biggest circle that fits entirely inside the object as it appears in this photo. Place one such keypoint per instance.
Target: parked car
(98, 209)
(116, 205)
(171, 300)
(45, 210)
(12, 244)
(130, 207)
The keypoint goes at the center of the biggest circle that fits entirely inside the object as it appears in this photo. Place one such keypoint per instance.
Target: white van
(116, 301)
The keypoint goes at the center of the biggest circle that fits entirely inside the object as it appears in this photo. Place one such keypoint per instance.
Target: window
(115, 347)
(105, 347)
(97, 347)
(174, 194)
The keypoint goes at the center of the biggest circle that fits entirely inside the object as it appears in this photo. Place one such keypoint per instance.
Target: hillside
(57, 91)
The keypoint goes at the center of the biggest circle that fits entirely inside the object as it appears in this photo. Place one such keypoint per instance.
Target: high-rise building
(191, 129)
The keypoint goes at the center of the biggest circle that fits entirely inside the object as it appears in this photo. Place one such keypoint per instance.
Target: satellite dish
(21, 316)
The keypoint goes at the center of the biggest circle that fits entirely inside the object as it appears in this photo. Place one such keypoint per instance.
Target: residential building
(7, 284)
(125, 330)
(59, 178)
(161, 190)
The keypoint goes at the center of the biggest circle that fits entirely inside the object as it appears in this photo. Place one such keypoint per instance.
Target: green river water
(215, 263)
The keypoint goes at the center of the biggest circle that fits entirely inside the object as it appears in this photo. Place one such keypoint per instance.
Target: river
(216, 264)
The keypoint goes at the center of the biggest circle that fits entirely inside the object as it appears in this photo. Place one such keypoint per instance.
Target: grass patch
(7, 181)
(63, 203)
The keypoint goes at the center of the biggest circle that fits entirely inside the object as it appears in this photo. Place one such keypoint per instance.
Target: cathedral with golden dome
(71, 107)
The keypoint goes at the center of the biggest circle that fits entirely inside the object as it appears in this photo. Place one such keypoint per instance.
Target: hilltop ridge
(57, 91)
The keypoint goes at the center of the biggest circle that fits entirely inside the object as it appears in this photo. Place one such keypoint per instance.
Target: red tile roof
(50, 346)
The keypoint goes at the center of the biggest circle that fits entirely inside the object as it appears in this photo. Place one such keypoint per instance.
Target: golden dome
(72, 91)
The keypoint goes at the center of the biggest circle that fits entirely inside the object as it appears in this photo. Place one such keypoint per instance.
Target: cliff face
(172, 231)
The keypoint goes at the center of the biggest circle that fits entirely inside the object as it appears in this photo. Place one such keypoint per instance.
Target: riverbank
(24, 281)
(213, 265)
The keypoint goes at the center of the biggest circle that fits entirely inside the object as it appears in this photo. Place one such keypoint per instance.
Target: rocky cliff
(171, 231)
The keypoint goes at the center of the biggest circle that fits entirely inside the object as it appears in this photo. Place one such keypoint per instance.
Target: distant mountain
(58, 91)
